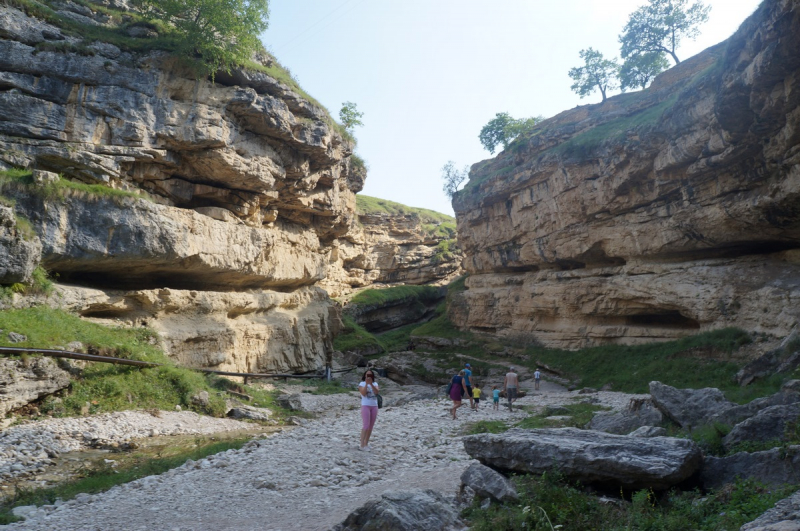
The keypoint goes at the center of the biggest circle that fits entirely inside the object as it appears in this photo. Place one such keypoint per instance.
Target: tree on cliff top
(597, 73)
(639, 70)
(503, 129)
(222, 33)
(660, 25)
(453, 178)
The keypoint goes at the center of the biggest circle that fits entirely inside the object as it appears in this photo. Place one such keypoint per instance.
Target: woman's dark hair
(364, 376)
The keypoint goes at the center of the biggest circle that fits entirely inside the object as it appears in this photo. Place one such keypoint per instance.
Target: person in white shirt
(369, 406)
(537, 376)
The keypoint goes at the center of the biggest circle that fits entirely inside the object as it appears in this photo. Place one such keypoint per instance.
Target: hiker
(510, 384)
(495, 398)
(467, 375)
(537, 376)
(457, 388)
(476, 395)
(369, 406)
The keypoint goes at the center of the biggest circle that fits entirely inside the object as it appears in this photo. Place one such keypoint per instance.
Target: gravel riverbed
(310, 477)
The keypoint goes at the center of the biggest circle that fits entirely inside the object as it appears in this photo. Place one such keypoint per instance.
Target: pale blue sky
(428, 74)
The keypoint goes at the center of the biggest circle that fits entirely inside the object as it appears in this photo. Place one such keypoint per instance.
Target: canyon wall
(207, 210)
(402, 246)
(653, 215)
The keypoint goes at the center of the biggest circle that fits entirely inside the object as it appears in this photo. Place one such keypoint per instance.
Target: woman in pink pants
(369, 406)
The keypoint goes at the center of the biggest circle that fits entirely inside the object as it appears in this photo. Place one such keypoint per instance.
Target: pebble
(281, 482)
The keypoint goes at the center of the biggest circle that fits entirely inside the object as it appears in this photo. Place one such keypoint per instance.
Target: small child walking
(495, 398)
(476, 394)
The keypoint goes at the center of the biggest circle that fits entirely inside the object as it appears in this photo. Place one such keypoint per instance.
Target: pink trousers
(369, 414)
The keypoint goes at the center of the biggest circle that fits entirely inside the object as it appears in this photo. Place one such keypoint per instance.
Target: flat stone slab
(589, 456)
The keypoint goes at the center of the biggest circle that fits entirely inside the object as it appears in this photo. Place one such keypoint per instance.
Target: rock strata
(23, 381)
(653, 215)
(19, 252)
(214, 208)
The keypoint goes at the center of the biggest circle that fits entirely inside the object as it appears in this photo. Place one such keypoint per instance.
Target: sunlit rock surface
(654, 215)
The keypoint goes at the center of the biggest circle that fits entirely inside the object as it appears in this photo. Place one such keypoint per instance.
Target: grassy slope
(107, 387)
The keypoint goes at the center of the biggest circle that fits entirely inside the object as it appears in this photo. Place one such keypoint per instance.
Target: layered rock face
(247, 186)
(385, 248)
(653, 215)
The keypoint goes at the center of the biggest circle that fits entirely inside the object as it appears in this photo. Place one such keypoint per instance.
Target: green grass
(319, 387)
(445, 250)
(632, 368)
(485, 426)
(385, 296)
(355, 337)
(103, 479)
(373, 205)
(106, 387)
(580, 415)
(23, 179)
(550, 502)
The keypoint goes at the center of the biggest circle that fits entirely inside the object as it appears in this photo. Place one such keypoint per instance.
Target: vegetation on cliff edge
(101, 387)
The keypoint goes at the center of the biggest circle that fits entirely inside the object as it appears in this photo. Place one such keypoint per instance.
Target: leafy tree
(453, 178)
(639, 70)
(503, 129)
(222, 33)
(350, 116)
(660, 25)
(597, 73)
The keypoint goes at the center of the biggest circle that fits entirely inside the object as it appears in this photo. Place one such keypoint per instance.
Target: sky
(429, 74)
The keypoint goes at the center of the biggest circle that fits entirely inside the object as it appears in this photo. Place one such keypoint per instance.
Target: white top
(370, 399)
(537, 375)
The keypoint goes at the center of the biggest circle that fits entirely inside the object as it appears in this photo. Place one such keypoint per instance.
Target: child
(476, 394)
(496, 398)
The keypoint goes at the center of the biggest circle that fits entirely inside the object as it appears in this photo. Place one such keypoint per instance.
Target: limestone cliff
(394, 244)
(209, 210)
(653, 215)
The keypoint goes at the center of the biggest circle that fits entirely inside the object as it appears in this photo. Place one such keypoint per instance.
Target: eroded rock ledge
(248, 186)
(653, 215)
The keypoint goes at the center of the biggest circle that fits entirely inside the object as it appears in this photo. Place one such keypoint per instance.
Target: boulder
(589, 456)
(22, 382)
(689, 408)
(250, 412)
(487, 483)
(292, 402)
(774, 361)
(734, 415)
(769, 424)
(783, 517)
(777, 466)
(627, 421)
(411, 510)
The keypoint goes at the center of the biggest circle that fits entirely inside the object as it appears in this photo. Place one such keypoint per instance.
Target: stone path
(310, 477)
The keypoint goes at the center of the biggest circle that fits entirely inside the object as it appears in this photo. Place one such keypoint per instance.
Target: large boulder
(783, 517)
(589, 456)
(411, 510)
(20, 252)
(625, 422)
(488, 483)
(734, 415)
(689, 408)
(23, 381)
(769, 424)
(775, 467)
